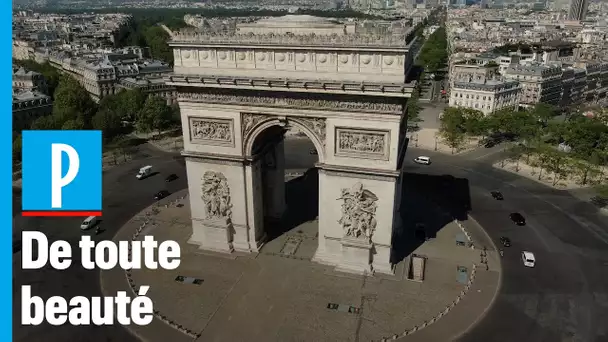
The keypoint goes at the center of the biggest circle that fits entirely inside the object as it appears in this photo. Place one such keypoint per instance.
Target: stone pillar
(218, 204)
(356, 217)
(274, 181)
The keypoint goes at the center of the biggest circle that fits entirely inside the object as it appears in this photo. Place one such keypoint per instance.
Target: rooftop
(341, 38)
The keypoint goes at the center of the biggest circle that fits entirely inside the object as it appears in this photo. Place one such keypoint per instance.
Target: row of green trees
(429, 56)
(116, 115)
(434, 54)
(585, 140)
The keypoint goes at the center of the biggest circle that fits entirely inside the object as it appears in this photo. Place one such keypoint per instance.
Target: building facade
(485, 96)
(539, 83)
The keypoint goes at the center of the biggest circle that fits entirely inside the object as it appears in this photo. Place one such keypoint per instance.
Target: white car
(528, 259)
(89, 222)
(422, 160)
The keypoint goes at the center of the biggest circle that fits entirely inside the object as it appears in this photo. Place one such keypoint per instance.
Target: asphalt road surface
(564, 298)
(124, 196)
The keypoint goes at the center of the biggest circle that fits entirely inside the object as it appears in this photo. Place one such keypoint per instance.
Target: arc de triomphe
(346, 91)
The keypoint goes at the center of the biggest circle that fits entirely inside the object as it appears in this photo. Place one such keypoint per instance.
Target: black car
(518, 219)
(505, 241)
(497, 195)
(161, 194)
(489, 144)
(313, 152)
(171, 178)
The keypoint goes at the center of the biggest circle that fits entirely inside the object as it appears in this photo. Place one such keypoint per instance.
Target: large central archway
(289, 205)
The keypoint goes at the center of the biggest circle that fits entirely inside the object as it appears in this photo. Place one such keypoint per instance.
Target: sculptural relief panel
(284, 60)
(305, 60)
(225, 58)
(215, 194)
(362, 143)
(348, 62)
(190, 57)
(326, 61)
(208, 131)
(264, 59)
(358, 219)
(177, 57)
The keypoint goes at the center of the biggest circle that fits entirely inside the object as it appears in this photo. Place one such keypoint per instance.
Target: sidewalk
(429, 139)
(115, 280)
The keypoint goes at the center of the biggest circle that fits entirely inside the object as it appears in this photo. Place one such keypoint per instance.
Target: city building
(578, 10)
(540, 83)
(27, 80)
(487, 96)
(28, 106)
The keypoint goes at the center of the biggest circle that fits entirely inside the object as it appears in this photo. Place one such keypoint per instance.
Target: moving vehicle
(528, 259)
(161, 194)
(171, 178)
(505, 241)
(89, 222)
(497, 195)
(313, 151)
(144, 172)
(518, 219)
(422, 160)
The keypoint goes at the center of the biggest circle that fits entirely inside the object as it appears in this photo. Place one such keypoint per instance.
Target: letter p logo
(61, 173)
(58, 181)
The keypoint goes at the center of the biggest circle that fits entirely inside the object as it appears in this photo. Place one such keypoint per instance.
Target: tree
(154, 115)
(413, 112)
(474, 122)
(452, 127)
(72, 102)
(73, 124)
(109, 123)
(554, 161)
(126, 104)
(45, 123)
(17, 148)
(544, 112)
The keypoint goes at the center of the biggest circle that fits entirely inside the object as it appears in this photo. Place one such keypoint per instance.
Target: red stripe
(61, 213)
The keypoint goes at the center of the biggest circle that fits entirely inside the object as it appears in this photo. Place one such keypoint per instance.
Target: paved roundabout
(563, 299)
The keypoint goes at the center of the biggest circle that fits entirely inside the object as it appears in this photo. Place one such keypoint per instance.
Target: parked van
(528, 259)
(88, 223)
(144, 172)
(422, 160)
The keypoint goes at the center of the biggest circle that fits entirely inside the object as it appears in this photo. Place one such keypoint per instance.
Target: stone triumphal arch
(343, 85)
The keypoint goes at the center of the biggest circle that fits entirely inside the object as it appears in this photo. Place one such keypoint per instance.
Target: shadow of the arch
(302, 199)
(429, 203)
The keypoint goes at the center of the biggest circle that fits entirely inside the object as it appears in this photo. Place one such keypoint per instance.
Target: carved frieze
(216, 196)
(358, 212)
(211, 131)
(378, 107)
(249, 121)
(346, 40)
(317, 125)
(362, 143)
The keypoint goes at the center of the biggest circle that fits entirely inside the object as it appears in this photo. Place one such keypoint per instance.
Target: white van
(422, 160)
(528, 259)
(144, 172)
(88, 223)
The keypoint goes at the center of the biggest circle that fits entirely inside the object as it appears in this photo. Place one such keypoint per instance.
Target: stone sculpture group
(358, 212)
(216, 196)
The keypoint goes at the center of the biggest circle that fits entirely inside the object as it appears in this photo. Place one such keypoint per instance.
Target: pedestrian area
(280, 295)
